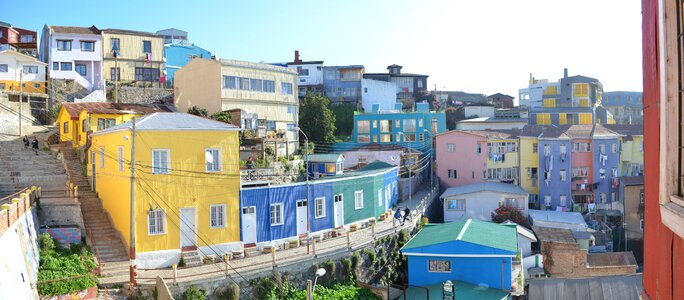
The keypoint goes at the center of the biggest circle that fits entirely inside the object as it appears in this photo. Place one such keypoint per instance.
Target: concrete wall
(9, 120)
(143, 95)
(59, 213)
(19, 257)
(378, 92)
(568, 260)
(479, 111)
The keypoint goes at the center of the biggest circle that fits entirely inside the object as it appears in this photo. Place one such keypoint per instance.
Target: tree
(222, 116)
(316, 119)
(504, 213)
(451, 117)
(198, 111)
(344, 118)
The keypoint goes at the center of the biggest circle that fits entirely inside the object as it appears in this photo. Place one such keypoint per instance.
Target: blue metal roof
(485, 186)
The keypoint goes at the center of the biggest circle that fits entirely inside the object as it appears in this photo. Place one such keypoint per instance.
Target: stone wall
(140, 95)
(66, 90)
(9, 118)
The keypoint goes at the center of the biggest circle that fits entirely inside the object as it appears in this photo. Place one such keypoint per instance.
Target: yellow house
(631, 148)
(77, 120)
(529, 160)
(130, 56)
(503, 156)
(187, 185)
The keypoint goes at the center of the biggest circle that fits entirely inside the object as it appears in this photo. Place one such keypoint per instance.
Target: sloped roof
(482, 233)
(602, 131)
(554, 132)
(632, 180)
(74, 109)
(579, 131)
(172, 121)
(381, 147)
(496, 134)
(625, 287)
(556, 216)
(611, 259)
(556, 235)
(129, 32)
(484, 186)
(532, 130)
(332, 157)
(22, 55)
(376, 165)
(522, 230)
(75, 29)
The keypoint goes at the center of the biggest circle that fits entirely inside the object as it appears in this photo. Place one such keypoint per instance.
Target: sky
(473, 46)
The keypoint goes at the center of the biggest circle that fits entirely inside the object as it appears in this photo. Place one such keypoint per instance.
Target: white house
(479, 200)
(388, 153)
(73, 53)
(378, 92)
(479, 110)
(16, 67)
(525, 238)
(558, 219)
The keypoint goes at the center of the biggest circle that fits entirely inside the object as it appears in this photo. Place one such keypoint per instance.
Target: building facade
(631, 196)
(21, 40)
(133, 57)
(342, 84)
(409, 86)
(178, 51)
(73, 53)
(479, 200)
(174, 210)
(266, 90)
(309, 75)
(626, 107)
(389, 127)
(460, 152)
(16, 68)
(501, 100)
(382, 93)
(532, 95)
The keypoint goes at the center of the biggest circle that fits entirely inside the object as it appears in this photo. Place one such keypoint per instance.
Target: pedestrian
(26, 142)
(397, 216)
(35, 145)
(407, 215)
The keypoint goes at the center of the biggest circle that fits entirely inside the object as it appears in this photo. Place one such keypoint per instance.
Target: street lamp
(306, 164)
(319, 273)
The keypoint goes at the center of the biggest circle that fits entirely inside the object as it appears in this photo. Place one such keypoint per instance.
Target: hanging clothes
(503, 158)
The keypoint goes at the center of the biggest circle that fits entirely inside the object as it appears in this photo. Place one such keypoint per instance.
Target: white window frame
(380, 197)
(358, 199)
(602, 198)
(462, 201)
(563, 175)
(280, 214)
(168, 162)
(547, 200)
(451, 147)
(121, 157)
(316, 202)
(563, 200)
(218, 208)
(102, 157)
(163, 215)
(206, 163)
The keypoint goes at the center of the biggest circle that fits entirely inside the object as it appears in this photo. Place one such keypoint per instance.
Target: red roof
(74, 109)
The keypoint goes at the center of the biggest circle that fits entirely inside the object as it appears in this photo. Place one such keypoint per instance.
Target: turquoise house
(178, 51)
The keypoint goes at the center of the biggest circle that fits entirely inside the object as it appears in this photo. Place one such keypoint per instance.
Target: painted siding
(528, 160)
(605, 185)
(177, 56)
(131, 54)
(424, 129)
(555, 187)
(33, 83)
(481, 205)
(378, 92)
(465, 158)
(489, 271)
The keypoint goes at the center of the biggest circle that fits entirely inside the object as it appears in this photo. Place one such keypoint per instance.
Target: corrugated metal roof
(611, 259)
(556, 216)
(476, 232)
(485, 186)
(333, 157)
(74, 109)
(632, 180)
(168, 121)
(627, 287)
(556, 235)
(75, 29)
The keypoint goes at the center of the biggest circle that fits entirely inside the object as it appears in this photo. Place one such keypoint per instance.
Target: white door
(302, 216)
(188, 234)
(249, 224)
(338, 211)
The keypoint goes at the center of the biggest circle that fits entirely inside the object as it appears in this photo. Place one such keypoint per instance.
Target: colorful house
(16, 67)
(133, 57)
(319, 165)
(554, 167)
(503, 158)
(271, 213)
(479, 200)
(186, 194)
(178, 51)
(22, 40)
(461, 157)
(475, 252)
(631, 148)
(78, 120)
(606, 158)
(529, 161)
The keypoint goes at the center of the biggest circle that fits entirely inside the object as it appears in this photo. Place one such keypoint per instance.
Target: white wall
(534, 93)
(560, 225)
(315, 76)
(351, 158)
(480, 205)
(93, 60)
(490, 125)
(19, 259)
(380, 92)
(15, 63)
(480, 111)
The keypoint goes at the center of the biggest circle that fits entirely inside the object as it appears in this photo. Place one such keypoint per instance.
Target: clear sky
(474, 46)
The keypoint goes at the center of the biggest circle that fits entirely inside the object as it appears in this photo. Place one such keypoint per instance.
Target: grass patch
(69, 268)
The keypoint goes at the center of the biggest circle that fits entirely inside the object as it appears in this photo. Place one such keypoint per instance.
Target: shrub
(193, 293)
(233, 291)
(329, 266)
(222, 116)
(504, 213)
(355, 260)
(56, 265)
(346, 265)
(371, 257)
(198, 111)
(181, 262)
(46, 242)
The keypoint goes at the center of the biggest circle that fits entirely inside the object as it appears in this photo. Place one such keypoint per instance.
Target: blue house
(324, 164)
(279, 212)
(476, 252)
(606, 161)
(554, 150)
(178, 51)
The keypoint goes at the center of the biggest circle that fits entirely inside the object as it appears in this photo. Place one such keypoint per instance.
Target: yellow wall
(64, 117)
(192, 187)
(91, 123)
(131, 54)
(585, 119)
(29, 86)
(543, 119)
(198, 84)
(511, 157)
(528, 159)
(631, 152)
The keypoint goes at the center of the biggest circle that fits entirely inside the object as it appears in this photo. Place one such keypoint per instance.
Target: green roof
(323, 157)
(376, 165)
(464, 291)
(472, 231)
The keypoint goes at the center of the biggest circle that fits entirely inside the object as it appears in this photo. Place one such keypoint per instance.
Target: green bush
(64, 271)
(346, 265)
(181, 262)
(233, 291)
(193, 293)
(46, 242)
(355, 261)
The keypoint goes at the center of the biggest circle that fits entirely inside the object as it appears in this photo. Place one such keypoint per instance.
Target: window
(121, 158)
(420, 123)
(543, 119)
(160, 161)
(363, 126)
(478, 150)
(385, 126)
(63, 45)
(385, 138)
(580, 172)
(102, 161)
(473, 175)
(116, 45)
(410, 137)
(4, 68)
(614, 172)
(641, 224)
(535, 147)
(397, 124)
(256, 85)
(563, 200)
(581, 147)
(563, 175)
(434, 125)
(269, 86)
(363, 138)
(212, 159)
(319, 208)
(380, 197)
(286, 88)
(451, 147)
(602, 148)
(358, 200)
(81, 69)
(302, 72)
(563, 149)
(580, 89)
(34, 69)
(439, 266)
(614, 147)
(230, 82)
(456, 204)
(547, 200)
(613, 196)
(547, 150)
(156, 222)
(65, 127)
(55, 66)
(146, 74)
(243, 83)
(115, 74)
(603, 198)
(375, 124)
(277, 214)
(87, 46)
(217, 216)
(410, 125)
(147, 47)
(84, 125)
(105, 123)
(602, 173)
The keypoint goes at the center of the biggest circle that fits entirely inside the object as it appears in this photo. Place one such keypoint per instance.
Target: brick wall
(568, 260)
(16, 208)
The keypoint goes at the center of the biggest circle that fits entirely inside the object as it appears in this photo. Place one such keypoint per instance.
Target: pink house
(582, 164)
(461, 158)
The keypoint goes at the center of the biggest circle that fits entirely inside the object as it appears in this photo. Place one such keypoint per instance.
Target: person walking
(407, 215)
(26, 142)
(397, 216)
(34, 144)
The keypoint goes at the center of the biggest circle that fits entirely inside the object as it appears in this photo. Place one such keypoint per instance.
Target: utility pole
(132, 208)
(21, 96)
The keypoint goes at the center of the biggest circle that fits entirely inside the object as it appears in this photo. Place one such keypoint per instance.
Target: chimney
(296, 60)
(565, 72)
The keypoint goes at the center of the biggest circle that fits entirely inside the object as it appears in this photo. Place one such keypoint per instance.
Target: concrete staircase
(191, 258)
(20, 168)
(103, 237)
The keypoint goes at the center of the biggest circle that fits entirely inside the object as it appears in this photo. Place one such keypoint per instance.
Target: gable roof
(556, 235)
(74, 109)
(484, 186)
(75, 29)
(22, 55)
(627, 130)
(626, 287)
(376, 165)
(482, 233)
(332, 157)
(172, 121)
(556, 216)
